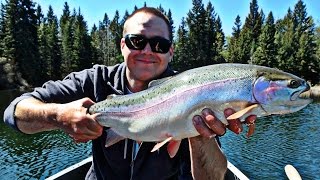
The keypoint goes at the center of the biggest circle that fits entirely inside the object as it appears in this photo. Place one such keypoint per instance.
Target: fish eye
(294, 83)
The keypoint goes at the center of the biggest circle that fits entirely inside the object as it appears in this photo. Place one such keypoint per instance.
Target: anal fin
(160, 144)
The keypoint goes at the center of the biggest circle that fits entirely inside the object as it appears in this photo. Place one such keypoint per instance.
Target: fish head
(279, 92)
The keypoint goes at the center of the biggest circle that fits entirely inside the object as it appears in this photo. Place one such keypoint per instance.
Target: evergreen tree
(20, 41)
(197, 44)
(181, 59)
(237, 28)
(169, 15)
(254, 20)
(233, 49)
(161, 9)
(2, 30)
(82, 45)
(10, 26)
(39, 15)
(211, 36)
(43, 46)
(285, 43)
(317, 60)
(305, 61)
(266, 52)
(220, 42)
(115, 38)
(94, 34)
(54, 47)
(67, 37)
(124, 18)
(250, 34)
(104, 39)
(245, 46)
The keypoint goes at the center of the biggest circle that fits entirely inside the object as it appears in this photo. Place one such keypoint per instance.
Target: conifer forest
(37, 46)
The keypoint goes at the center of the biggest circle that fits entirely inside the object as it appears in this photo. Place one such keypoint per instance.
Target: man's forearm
(32, 116)
(207, 159)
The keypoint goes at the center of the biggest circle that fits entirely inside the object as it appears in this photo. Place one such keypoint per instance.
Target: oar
(292, 173)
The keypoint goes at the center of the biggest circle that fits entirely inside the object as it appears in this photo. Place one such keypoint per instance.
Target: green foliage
(20, 43)
(265, 54)
(40, 47)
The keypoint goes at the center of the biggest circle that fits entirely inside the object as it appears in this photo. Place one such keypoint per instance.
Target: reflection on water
(278, 140)
(35, 156)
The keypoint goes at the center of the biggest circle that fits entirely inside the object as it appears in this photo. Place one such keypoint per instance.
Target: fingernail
(196, 120)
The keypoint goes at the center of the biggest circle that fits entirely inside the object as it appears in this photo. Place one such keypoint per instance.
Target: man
(147, 50)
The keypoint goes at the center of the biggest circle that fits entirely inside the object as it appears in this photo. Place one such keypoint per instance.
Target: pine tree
(250, 33)
(266, 52)
(115, 38)
(233, 49)
(67, 38)
(81, 46)
(181, 60)
(20, 38)
(196, 21)
(317, 58)
(104, 38)
(94, 34)
(220, 42)
(2, 30)
(169, 15)
(237, 28)
(285, 42)
(39, 15)
(306, 65)
(43, 46)
(9, 41)
(211, 36)
(54, 46)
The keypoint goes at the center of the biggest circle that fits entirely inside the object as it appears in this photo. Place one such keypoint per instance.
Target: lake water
(278, 140)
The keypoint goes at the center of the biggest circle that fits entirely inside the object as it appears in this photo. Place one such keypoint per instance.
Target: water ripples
(278, 141)
(38, 156)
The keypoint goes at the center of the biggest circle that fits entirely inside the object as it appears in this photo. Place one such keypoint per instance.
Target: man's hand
(207, 159)
(209, 126)
(74, 120)
(33, 116)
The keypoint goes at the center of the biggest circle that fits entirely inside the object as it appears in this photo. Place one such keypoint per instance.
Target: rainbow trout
(164, 111)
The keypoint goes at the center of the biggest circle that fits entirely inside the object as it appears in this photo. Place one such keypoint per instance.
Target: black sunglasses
(139, 42)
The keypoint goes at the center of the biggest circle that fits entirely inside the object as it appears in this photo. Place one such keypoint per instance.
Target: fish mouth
(304, 94)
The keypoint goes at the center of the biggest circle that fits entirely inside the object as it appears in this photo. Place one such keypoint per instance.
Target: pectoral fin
(173, 148)
(160, 144)
(242, 112)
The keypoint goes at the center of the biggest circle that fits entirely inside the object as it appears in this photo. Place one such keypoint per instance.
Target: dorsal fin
(158, 81)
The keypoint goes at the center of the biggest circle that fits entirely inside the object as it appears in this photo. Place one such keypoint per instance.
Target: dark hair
(155, 12)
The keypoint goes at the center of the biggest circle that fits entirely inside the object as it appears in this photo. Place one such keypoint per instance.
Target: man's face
(145, 65)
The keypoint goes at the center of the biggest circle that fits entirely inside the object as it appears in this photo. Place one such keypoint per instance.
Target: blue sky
(93, 10)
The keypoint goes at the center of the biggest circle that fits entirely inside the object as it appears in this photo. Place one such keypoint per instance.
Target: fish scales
(166, 108)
